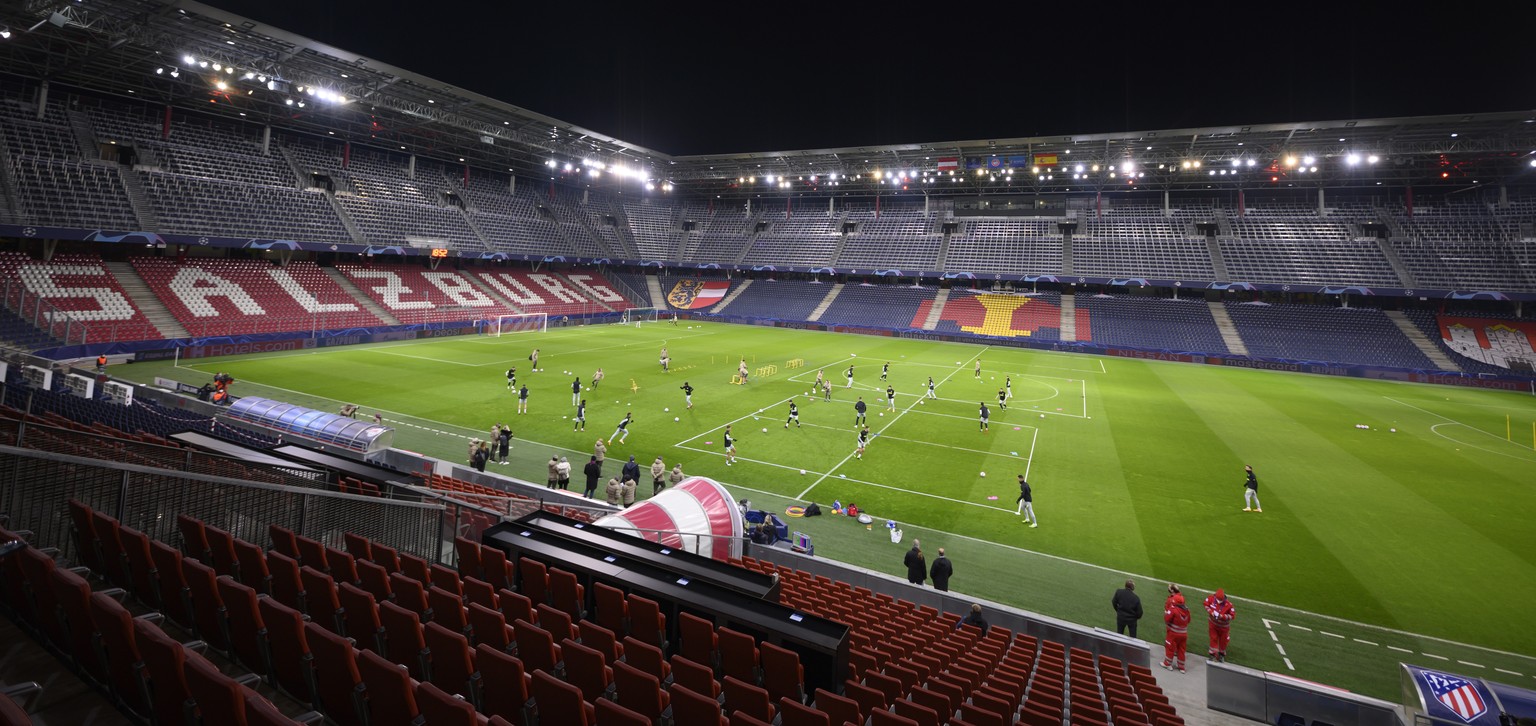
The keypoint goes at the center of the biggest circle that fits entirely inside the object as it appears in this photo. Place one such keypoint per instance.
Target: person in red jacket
(1221, 613)
(1176, 618)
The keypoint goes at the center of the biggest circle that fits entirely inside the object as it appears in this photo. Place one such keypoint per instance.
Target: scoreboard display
(439, 252)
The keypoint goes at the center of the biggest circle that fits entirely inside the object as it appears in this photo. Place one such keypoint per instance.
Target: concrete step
(936, 310)
(138, 291)
(1421, 341)
(731, 297)
(1068, 317)
(658, 296)
(1228, 330)
(1218, 263)
(361, 297)
(826, 302)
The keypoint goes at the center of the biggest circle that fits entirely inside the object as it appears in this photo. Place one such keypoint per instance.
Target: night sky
(737, 77)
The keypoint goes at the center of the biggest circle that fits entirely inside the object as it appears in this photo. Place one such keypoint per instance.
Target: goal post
(639, 315)
(518, 323)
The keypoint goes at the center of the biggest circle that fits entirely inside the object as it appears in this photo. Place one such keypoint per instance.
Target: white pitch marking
(1367, 642)
(1513, 673)
(1331, 635)
(1470, 663)
(1436, 657)
(925, 443)
(1299, 627)
(1269, 625)
(891, 423)
(1400, 650)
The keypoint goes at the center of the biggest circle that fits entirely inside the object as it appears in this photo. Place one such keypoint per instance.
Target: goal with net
(520, 323)
(638, 316)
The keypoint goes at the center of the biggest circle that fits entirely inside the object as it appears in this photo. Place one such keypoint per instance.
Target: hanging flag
(1046, 160)
(995, 162)
(949, 164)
(693, 294)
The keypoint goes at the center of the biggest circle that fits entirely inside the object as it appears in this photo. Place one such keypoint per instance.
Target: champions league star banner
(1452, 699)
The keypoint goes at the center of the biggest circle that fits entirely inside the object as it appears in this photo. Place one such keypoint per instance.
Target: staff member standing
(941, 572)
(1127, 607)
(1026, 503)
(917, 567)
(1251, 492)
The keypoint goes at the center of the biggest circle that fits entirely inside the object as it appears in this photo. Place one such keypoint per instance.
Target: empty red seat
(242, 617)
(586, 669)
(609, 713)
(217, 697)
(441, 708)
(612, 610)
(221, 548)
(125, 665)
(338, 683)
(694, 675)
(697, 639)
(287, 649)
(284, 541)
(391, 697)
(312, 554)
(647, 658)
(165, 660)
(509, 692)
(795, 713)
(559, 702)
(647, 622)
(841, 708)
(639, 691)
(207, 607)
(252, 566)
(403, 640)
(694, 708)
(194, 538)
(738, 655)
(601, 640)
(567, 594)
(362, 617)
(489, 627)
(411, 595)
(321, 601)
(743, 696)
(286, 586)
(535, 647)
(144, 575)
(175, 599)
(453, 663)
(375, 580)
(533, 580)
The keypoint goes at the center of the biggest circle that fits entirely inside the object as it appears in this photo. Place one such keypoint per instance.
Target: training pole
(1506, 428)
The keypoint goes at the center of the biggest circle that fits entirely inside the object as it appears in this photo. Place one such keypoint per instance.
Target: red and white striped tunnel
(698, 515)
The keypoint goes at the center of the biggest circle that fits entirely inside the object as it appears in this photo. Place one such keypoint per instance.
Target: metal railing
(36, 485)
(45, 316)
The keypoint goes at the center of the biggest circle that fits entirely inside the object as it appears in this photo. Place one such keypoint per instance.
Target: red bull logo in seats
(1001, 316)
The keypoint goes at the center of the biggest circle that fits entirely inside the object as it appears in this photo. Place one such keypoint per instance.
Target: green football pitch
(1411, 540)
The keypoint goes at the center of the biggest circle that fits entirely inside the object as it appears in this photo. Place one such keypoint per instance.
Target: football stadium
(333, 391)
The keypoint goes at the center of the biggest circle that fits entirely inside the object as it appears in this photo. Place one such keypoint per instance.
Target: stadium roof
(177, 53)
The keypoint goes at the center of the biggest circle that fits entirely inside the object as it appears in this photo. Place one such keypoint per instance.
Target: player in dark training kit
(794, 416)
(859, 410)
(687, 394)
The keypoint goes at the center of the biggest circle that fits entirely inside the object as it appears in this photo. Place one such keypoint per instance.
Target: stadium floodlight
(218, 67)
(550, 163)
(159, 71)
(5, 34)
(1185, 165)
(1314, 170)
(1352, 159)
(1079, 169)
(188, 59)
(222, 86)
(1095, 167)
(1308, 161)
(1237, 162)
(288, 101)
(175, 73)
(1372, 159)
(202, 64)
(650, 187)
(1251, 162)
(567, 166)
(229, 70)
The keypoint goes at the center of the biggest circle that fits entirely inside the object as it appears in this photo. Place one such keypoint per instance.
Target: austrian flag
(949, 164)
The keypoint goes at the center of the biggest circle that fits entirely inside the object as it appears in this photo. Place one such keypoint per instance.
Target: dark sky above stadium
(736, 77)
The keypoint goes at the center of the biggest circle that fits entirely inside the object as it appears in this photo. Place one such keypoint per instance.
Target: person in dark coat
(630, 472)
(941, 571)
(1127, 608)
(594, 471)
(975, 618)
(503, 441)
(481, 455)
(917, 567)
